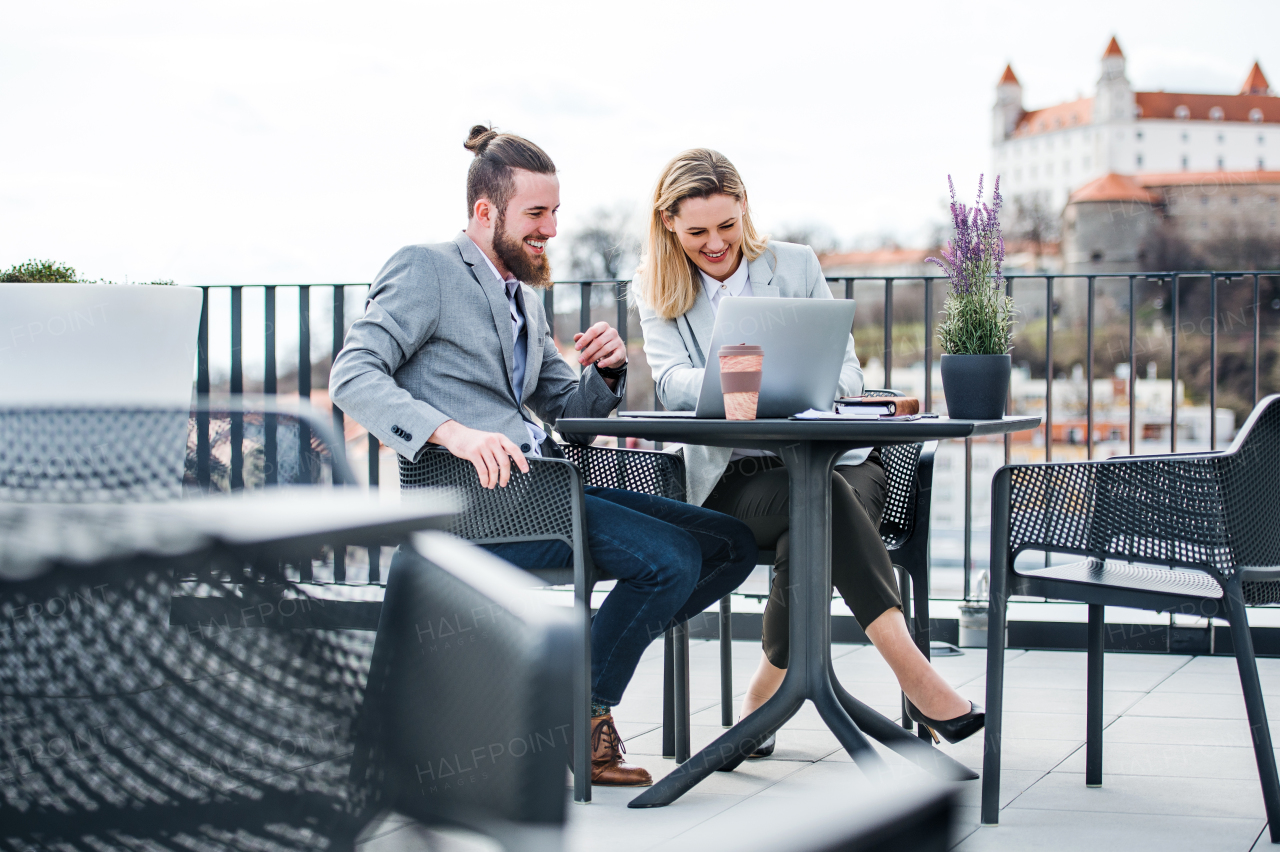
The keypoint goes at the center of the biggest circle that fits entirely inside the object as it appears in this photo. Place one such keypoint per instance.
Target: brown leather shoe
(607, 766)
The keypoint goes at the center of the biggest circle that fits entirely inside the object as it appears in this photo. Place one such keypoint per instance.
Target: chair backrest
(536, 506)
(441, 742)
(900, 463)
(103, 454)
(1207, 510)
(647, 472)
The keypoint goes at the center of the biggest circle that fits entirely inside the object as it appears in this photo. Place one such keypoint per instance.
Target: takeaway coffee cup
(740, 380)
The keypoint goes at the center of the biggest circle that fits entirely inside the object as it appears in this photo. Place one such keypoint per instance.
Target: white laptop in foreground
(98, 344)
(804, 342)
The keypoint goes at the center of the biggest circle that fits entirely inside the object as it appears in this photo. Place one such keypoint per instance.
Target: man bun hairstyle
(496, 155)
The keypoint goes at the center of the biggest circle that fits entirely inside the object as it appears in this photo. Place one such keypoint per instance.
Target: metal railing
(1177, 284)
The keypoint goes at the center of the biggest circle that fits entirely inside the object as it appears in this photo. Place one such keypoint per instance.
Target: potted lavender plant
(977, 327)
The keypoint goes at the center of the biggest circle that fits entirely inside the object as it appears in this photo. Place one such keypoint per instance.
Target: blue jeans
(671, 560)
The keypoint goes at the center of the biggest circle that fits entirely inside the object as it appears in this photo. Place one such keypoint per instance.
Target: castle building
(1043, 155)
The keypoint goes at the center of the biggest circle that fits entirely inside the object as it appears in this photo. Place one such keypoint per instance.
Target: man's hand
(600, 344)
(490, 452)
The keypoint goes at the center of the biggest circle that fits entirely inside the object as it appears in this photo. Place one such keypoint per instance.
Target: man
(454, 347)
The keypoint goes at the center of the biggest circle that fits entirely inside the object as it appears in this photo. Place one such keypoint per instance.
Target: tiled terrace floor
(1179, 770)
(1179, 767)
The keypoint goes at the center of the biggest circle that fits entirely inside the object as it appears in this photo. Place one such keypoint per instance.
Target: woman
(702, 246)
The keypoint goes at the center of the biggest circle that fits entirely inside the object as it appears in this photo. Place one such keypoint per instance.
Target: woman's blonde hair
(667, 279)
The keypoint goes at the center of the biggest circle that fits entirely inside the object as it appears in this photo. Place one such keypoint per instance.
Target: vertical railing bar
(237, 328)
(848, 287)
(202, 345)
(202, 388)
(1088, 438)
(339, 332)
(1213, 361)
(304, 341)
(339, 426)
(270, 422)
(1173, 393)
(1257, 335)
(620, 294)
(305, 465)
(927, 402)
(1133, 367)
(1048, 383)
(584, 305)
(374, 452)
(549, 309)
(888, 332)
(1048, 369)
(968, 516)
(1008, 438)
(375, 551)
(237, 388)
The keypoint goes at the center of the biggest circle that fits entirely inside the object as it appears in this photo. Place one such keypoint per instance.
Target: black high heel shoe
(953, 730)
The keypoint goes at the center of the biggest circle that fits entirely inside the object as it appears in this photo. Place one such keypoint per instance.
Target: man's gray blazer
(677, 351)
(435, 344)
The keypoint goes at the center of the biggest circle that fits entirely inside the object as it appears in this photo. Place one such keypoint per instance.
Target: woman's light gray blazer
(677, 351)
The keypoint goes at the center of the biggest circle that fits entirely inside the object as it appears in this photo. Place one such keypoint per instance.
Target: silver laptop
(804, 343)
(98, 344)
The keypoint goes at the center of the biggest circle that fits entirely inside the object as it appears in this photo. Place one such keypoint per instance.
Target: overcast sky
(276, 142)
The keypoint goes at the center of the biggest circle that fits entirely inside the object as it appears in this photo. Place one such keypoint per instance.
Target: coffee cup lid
(741, 349)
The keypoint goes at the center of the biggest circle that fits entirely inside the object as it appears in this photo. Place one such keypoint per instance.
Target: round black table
(809, 448)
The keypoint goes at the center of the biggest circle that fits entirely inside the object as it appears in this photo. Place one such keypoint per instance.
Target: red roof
(1008, 76)
(1114, 187)
(1113, 49)
(1255, 83)
(1208, 179)
(1055, 117)
(875, 257)
(1199, 107)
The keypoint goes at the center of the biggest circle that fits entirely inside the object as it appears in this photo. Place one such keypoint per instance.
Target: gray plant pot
(976, 386)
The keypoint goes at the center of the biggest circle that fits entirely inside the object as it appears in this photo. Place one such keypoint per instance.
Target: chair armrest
(644, 471)
(544, 503)
(1163, 510)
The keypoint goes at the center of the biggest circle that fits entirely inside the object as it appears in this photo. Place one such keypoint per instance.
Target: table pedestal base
(810, 675)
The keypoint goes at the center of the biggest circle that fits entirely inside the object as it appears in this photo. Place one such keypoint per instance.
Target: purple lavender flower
(974, 257)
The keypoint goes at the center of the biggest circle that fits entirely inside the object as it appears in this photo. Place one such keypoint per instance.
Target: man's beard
(534, 271)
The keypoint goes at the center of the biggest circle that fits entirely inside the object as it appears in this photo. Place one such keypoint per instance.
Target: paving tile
(1041, 754)
(1264, 842)
(1146, 794)
(1190, 705)
(1029, 830)
(1227, 682)
(1112, 662)
(1019, 699)
(793, 743)
(1168, 759)
(1188, 731)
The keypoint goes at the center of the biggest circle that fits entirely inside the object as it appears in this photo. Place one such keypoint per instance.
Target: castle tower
(1256, 83)
(1114, 101)
(1008, 109)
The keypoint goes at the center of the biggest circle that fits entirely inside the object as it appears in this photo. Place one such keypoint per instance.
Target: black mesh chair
(129, 728)
(1187, 533)
(144, 705)
(546, 504)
